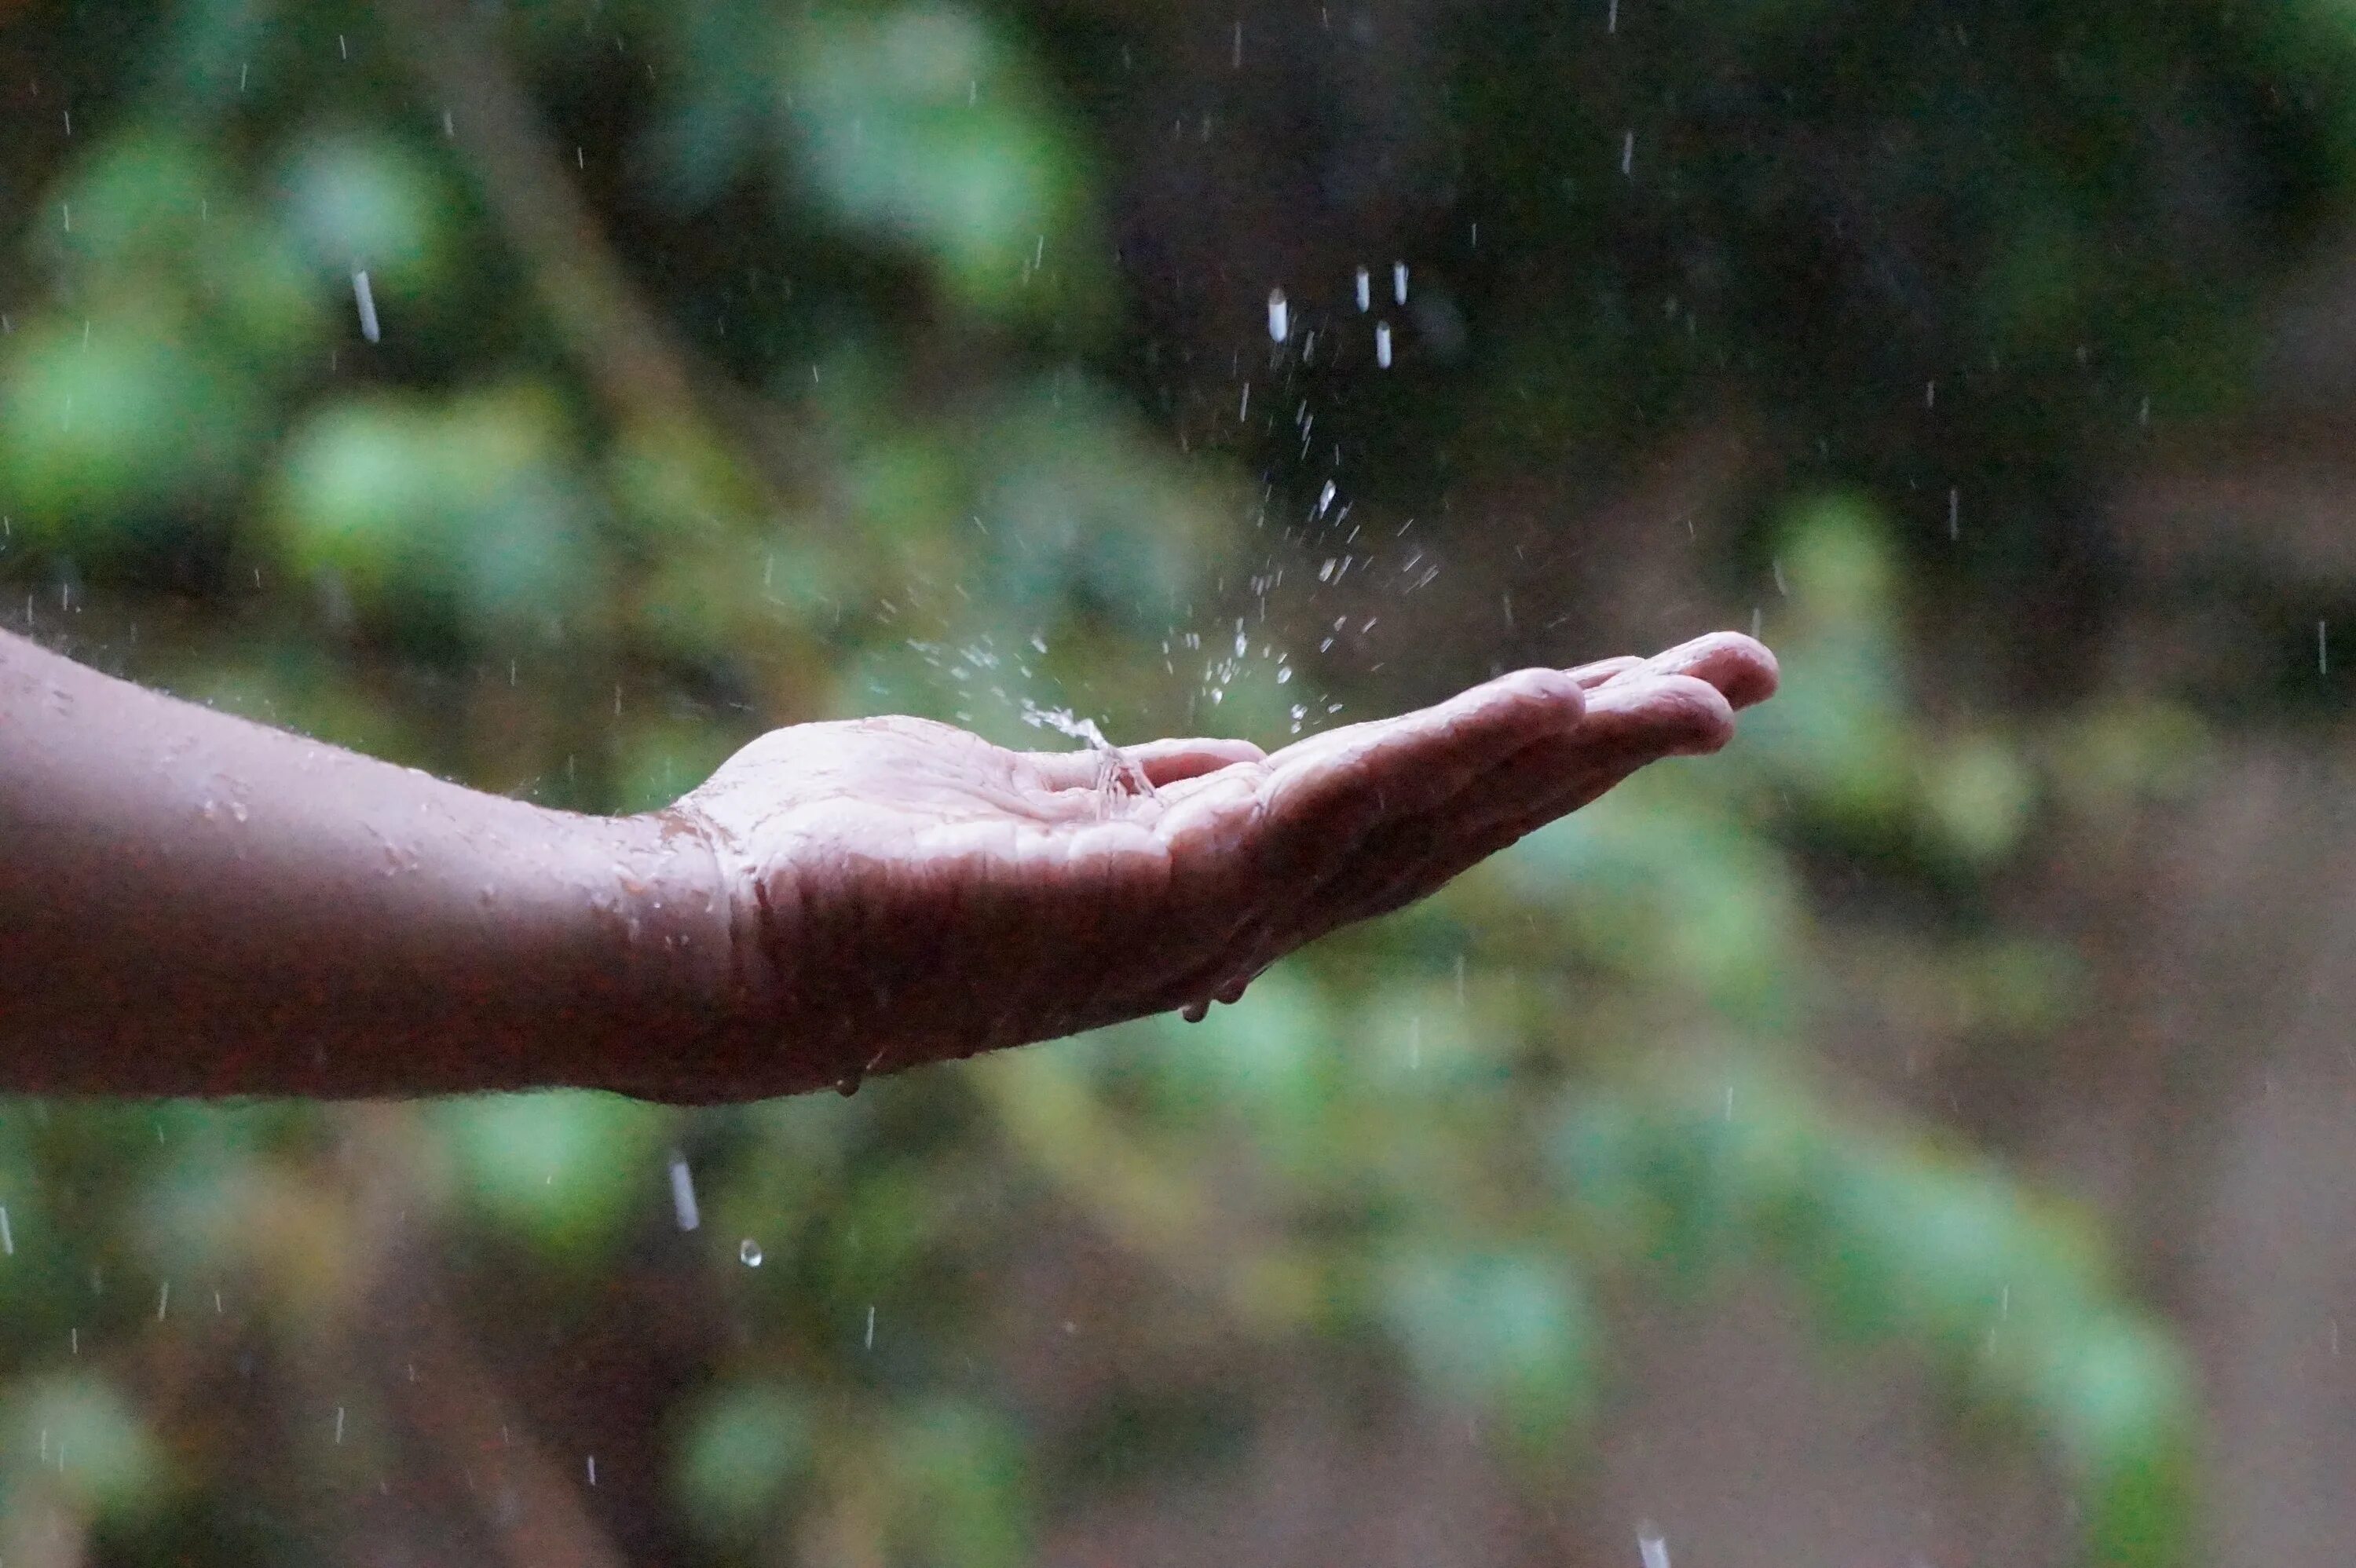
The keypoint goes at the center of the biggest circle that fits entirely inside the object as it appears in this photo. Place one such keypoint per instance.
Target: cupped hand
(918, 893)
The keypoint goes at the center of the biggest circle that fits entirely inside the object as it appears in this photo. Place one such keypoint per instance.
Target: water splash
(1117, 771)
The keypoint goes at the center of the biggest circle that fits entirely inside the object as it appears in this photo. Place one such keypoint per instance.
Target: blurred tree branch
(644, 376)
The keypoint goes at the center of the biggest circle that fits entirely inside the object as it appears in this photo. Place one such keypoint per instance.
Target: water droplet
(1365, 289)
(1399, 276)
(366, 299)
(748, 1253)
(1382, 343)
(1654, 1549)
(682, 1193)
(1279, 316)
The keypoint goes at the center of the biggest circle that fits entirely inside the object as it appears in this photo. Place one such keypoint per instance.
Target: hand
(921, 893)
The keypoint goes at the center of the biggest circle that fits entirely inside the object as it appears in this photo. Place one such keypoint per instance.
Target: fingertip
(1740, 668)
(1538, 686)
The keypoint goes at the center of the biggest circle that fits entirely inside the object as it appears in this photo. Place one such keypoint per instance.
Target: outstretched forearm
(194, 904)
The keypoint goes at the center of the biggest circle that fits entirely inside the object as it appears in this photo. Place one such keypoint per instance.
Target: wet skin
(193, 904)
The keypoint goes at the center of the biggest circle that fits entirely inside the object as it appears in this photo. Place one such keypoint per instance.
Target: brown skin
(193, 904)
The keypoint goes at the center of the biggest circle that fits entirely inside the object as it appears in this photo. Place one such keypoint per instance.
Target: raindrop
(1365, 289)
(367, 302)
(871, 1325)
(1628, 155)
(1398, 273)
(339, 1424)
(682, 1192)
(1279, 315)
(7, 1241)
(748, 1253)
(593, 1469)
(1649, 1543)
(1325, 498)
(1955, 513)
(1382, 343)
(2322, 647)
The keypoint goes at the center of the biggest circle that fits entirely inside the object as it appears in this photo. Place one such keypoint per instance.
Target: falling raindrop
(1382, 343)
(367, 302)
(1365, 289)
(748, 1253)
(682, 1192)
(1279, 316)
(1650, 1543)
(1398, 273)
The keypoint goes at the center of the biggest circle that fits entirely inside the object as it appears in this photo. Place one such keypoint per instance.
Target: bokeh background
(1923, 1136)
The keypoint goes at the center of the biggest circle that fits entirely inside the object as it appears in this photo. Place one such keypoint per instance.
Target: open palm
(920, 893)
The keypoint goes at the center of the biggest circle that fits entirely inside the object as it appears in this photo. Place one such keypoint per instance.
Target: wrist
(692, 986)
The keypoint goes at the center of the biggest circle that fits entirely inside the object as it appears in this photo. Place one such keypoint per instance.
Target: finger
(1163, 761)
(1740, 667)
(1646, 717)
(1590, 675)
(1324, 794)
(1634, 721)
(1167, 761)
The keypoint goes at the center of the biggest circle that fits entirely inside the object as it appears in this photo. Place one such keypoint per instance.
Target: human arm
(193, 904)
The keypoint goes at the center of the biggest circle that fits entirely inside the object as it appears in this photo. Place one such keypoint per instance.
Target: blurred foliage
(744, 363)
